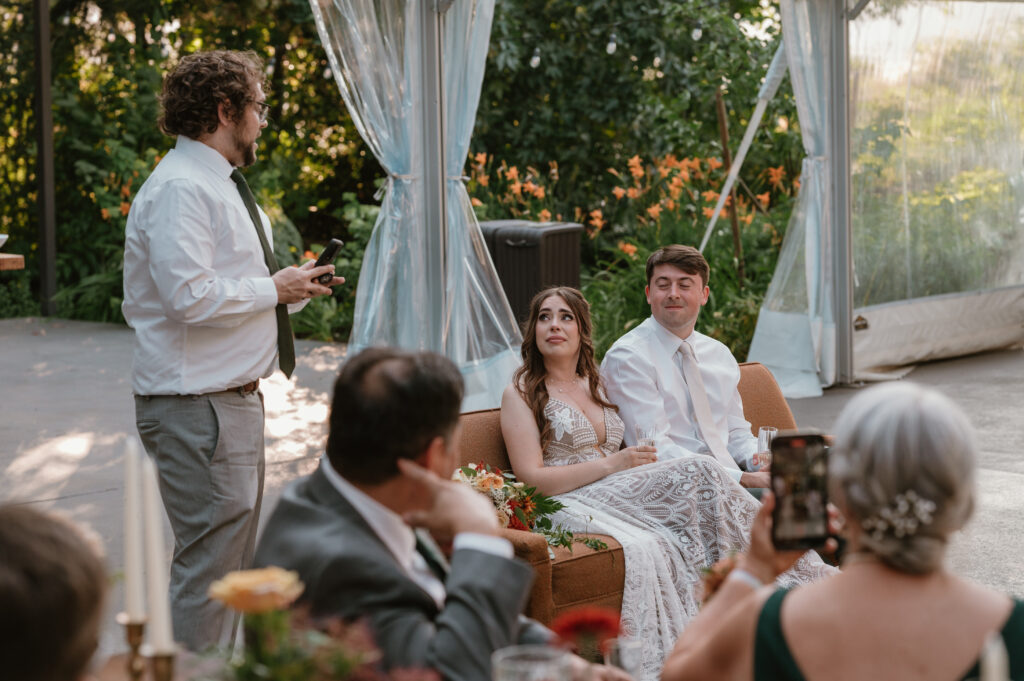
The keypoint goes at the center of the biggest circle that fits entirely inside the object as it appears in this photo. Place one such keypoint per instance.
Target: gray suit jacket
(349, 572)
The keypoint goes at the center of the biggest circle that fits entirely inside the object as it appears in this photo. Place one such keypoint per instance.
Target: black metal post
(46, 197)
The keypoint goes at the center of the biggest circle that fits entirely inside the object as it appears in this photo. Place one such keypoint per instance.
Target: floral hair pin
(908, 512)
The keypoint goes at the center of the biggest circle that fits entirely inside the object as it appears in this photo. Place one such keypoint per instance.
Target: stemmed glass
(531, 663)
(765, 435)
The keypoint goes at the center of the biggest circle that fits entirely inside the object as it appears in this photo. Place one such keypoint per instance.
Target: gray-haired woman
(902, 474)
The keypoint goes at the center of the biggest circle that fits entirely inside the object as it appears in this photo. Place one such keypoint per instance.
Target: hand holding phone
(799, 479)
(326, 258)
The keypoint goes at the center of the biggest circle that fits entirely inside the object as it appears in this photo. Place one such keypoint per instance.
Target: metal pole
(842, 242)
(432, 131)
(46, 195)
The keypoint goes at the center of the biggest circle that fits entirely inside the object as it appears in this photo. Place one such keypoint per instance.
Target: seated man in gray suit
(348, 528)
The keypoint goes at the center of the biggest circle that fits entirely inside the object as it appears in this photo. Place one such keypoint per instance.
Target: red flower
(584, 627)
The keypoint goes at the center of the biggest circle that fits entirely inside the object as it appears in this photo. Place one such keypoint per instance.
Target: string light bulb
(535, 59)
(612, 45)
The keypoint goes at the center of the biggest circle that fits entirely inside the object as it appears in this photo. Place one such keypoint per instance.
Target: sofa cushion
(584, 576)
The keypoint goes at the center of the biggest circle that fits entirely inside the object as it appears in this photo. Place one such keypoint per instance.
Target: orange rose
(255, 591)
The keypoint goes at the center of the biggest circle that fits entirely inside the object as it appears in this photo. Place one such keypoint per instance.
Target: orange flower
(636, 166)
(529, 186)
(544, 215)
(775, 176)
(512, 174)
(684, 174)
(632, 192)
(763, 199)
(476, 202)
(253, 591)
(710, 196)
(619, 192)
(126, 190)
(481, 158)
(663, 171)
(796, 183)
(597, 218)
(714, 163)
(309, 255)
(748, 218)
(125, 207)
(483, 180)
(628, 249)
(104, 213)
(539, 192)
(708, 212)
(614, 172)
(670, 204)
(654, 211)
(517, 188)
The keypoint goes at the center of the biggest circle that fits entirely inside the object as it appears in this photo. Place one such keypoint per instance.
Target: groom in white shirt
(666, 376)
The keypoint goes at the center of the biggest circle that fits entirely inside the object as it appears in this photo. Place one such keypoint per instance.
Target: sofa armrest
(533, 548)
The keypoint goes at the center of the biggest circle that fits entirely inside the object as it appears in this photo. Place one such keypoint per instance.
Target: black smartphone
(799, 479)
(328, 255)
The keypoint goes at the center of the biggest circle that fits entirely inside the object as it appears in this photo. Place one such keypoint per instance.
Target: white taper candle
(161, 638)
(134, 571)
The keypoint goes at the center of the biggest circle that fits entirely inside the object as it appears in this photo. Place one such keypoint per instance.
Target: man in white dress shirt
(209, 306)
(667, 376)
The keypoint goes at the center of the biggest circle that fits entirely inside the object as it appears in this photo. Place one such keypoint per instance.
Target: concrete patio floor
(66, 406)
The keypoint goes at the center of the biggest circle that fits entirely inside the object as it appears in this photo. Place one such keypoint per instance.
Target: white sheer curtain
(795, 333)
(374, 47)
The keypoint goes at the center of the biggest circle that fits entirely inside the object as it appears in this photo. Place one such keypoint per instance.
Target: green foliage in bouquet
(519, 506)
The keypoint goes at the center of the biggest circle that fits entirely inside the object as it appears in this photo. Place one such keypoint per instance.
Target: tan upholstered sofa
(584, 576)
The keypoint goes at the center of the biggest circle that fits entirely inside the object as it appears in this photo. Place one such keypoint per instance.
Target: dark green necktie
(285, 342)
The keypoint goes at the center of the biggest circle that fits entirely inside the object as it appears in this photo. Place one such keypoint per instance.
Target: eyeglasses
(264, 110)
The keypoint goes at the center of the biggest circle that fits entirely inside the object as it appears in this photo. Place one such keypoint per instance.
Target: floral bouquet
(520, 507)
(587, 631)
(286, 645)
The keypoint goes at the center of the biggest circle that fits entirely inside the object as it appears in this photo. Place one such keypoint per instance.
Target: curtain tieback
(379, 194)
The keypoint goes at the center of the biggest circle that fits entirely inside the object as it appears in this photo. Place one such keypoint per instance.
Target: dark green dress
(774, 662)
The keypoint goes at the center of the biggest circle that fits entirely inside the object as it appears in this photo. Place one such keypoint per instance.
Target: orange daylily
(714, 163)
(544, 215)
(636, 166)
(775, 176)
(619, 192)
(632, 192)
(104, 213)
(512, 174)
(125, 207)
(708, 212)
(476, 202)
(763, 199)
(710, 195)
(628, 249)
(654, 211)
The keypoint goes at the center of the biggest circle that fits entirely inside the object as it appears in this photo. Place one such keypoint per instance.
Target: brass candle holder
(162, 666)
(134, 631)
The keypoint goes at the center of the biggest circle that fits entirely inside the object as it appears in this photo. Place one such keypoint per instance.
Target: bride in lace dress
(673, 518)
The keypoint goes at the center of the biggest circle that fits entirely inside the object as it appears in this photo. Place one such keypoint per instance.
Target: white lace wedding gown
(671, 517)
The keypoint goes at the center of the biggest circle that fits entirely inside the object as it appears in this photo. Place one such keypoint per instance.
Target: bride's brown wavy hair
(529, 378)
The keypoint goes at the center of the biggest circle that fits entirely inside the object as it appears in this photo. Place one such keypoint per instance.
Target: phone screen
(800, 484)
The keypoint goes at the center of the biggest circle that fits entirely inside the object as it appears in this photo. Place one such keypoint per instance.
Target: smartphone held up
(327, 257)
(799, 480)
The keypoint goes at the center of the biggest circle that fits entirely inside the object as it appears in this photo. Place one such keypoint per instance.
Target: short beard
(246, 151)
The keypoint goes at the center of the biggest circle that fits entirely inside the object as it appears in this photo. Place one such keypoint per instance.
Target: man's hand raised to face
(452, 507)
(295, 284)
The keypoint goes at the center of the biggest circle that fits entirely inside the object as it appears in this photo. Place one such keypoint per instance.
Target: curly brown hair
(529, 378)
(200, 82)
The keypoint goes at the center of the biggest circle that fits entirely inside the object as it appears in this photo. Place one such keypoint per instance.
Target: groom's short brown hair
(686, 258)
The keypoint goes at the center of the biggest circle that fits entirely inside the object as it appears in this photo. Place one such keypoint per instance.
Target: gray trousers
(208, 451)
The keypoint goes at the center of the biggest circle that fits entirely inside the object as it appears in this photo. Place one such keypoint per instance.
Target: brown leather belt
(247, 389)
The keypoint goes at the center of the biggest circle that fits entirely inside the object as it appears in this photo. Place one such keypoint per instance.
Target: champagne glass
(531, 663)
(646, 435)
(626, 654)
(765, 435)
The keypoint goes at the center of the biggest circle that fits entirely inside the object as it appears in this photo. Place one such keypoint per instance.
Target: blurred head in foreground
(52, 589)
